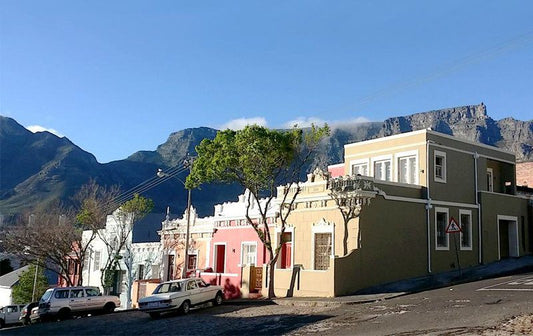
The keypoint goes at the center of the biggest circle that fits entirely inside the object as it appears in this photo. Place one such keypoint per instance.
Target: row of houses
(407, 189)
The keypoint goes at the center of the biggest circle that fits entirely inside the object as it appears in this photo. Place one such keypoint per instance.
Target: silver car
(10, 315)
(64, 302)
(180, 295)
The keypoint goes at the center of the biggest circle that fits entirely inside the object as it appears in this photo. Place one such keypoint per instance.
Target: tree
(259, 159)
(52, 238)
(350, 194)
(117, 236)
(95, 202)
(23, 289)
(47, 239)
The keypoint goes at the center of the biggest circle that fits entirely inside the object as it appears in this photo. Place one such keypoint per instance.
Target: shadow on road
(211, 321)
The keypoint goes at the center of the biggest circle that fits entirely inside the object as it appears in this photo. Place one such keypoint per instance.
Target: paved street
(473, 308)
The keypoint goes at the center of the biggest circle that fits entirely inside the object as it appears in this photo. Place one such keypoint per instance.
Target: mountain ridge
(37, 168)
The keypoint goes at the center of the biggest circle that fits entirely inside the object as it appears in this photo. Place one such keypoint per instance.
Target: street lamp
(187, 163)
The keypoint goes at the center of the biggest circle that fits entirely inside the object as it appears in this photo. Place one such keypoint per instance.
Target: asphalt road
(458, 310)
(464, 309)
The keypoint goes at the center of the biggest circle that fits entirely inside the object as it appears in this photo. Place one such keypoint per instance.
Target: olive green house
(424, 203)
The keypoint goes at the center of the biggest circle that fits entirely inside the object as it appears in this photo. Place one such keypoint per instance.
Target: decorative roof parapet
(354, 187)
(352, 183)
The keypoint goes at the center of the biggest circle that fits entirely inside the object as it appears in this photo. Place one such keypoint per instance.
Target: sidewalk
(404, 287)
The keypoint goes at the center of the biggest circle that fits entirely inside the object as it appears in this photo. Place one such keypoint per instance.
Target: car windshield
(168, 288)
(46, 295)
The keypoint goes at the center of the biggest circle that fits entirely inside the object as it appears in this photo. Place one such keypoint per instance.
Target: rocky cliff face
(469, 123)
(38, 168)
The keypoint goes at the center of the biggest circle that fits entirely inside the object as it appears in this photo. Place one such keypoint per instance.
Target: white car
(10, 315)
(180, 295)
(65, 302)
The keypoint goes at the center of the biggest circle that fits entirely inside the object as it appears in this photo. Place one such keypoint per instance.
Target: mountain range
(38, 168)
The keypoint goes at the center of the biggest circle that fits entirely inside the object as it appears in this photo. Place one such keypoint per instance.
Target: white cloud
(37, 128)
(348, 123)
(238, 124)
(303, 122)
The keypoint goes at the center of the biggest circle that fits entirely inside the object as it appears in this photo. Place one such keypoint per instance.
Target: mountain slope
(36, 169)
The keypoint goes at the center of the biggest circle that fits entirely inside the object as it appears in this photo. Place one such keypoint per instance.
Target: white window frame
(447, 247)
(192, 253)
(469, 213)
(97, 260)
(322, 229)
(380, 159)
(248, 243)
(490, 185)
(360, 162)
(402, 155)
(441, 179)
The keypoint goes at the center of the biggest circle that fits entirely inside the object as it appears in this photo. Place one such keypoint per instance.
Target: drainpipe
(480, 257)
(428, 207)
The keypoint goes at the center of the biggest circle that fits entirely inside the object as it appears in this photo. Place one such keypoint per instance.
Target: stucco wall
(393, 246)
(5, 296)
(495, 205)
(389, 147)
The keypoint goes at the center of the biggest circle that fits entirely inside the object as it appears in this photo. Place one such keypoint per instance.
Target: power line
(143, 187)
(448, 68)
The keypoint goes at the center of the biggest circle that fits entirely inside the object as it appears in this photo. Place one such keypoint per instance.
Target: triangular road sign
(453, 226)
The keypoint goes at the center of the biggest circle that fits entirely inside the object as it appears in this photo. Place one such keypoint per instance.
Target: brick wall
(524, 174)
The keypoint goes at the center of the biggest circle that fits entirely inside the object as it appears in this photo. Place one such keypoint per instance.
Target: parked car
(34, 315)
(25, 313)
(10, 315)
(180, 295)
(64, 302)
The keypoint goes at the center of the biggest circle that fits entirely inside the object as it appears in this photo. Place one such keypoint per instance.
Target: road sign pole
(457, 253)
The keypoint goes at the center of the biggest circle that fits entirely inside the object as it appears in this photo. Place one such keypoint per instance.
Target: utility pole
(187, 163)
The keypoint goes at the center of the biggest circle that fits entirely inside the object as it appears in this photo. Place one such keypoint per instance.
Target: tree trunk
(271, 269)
(345, 239)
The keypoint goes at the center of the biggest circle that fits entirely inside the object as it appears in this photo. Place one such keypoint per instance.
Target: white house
(141, 252)
(7, 281)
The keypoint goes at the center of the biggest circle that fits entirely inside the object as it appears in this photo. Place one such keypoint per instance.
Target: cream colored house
(408, 190)
(173, 241)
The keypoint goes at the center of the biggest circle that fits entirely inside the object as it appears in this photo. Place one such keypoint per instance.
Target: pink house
(237, 254)
(336, 170)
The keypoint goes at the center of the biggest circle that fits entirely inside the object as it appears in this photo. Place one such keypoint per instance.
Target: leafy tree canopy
(23, 290)
(256, 157)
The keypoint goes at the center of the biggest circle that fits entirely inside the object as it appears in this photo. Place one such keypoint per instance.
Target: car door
(77, 299)
(205, 293)
(94, 299)
(12, 314)
(193, 293)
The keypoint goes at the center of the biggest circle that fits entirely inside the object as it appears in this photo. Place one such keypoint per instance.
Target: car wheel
(218, 299)
(155, 315)
(109, 308)
(64, 314)
(185, 307)
(2, 324)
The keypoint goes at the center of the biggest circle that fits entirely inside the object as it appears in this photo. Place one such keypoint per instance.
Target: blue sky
(120, 76)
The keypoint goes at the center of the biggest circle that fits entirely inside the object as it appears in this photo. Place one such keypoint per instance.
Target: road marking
(517, 285)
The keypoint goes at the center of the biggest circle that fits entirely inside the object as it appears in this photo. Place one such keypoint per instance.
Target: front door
(170, 268)
(508, 238)
(220, 258)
